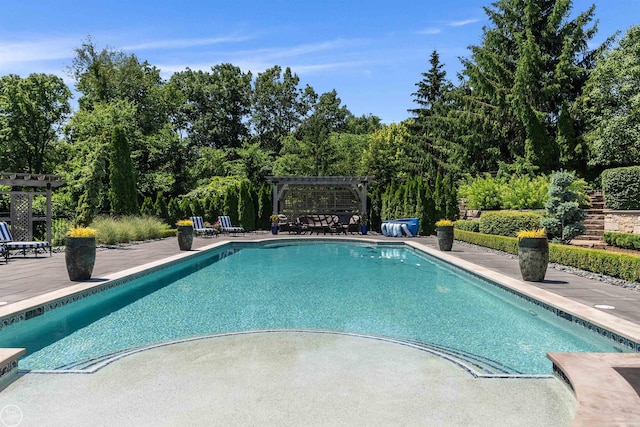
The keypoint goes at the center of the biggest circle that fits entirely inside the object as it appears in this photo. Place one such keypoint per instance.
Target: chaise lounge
(226, 227)
(200, 229)
(6, 239)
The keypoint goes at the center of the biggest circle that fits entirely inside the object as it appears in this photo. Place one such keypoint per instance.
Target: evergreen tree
(231, 204)
(160, 207)
(265, 206)
(212, 209)
(173, 212)
(563, 220)
(122, 191)
(532, 61)
(439, 198)
(430, 135)
(246, 212)
(147, 207)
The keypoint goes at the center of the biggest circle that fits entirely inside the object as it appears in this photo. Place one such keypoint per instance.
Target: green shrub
(563, 219)
(506, 192)
(524, 192)
(621, 187)
(623, 266)
(481, 193)
(468, 225)
(59, 228)
(623, 240)
(128, 228)
(169, 232)
(508, 223)
(501, 243)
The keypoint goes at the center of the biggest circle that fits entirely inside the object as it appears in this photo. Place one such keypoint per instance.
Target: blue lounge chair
(9, 244)
(225, 225)
(199, 228)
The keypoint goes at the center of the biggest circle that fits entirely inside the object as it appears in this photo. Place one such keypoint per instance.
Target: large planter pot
(364, 229)
(80, 256)
(185, 237)
(274, 228)
(445, 237)
(533, 257)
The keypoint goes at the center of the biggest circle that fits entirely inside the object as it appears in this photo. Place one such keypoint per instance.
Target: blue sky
(372, 52)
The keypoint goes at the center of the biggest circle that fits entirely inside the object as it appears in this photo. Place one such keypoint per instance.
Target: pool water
(378, 290)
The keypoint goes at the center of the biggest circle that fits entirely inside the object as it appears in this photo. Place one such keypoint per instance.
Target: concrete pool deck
(294, 399)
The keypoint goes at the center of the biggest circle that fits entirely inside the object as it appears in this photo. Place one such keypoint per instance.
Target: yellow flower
(444, 223)
(82, 232)
(524, 234)
(184, 223)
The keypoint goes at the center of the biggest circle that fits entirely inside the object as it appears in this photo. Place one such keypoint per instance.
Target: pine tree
(532, 61)
(430, 135)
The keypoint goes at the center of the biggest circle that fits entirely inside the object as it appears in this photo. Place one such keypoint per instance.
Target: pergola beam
(358, 184)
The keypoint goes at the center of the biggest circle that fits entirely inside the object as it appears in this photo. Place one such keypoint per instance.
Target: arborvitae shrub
(621, 187)
(508, 223)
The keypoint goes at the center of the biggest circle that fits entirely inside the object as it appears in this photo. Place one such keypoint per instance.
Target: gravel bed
(572, 270)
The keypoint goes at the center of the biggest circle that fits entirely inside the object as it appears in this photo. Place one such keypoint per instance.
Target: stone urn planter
(80, 257)
(533, 257)
(185, 237)
(444, 231)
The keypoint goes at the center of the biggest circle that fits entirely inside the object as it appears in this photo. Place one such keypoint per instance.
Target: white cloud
(430, 31)
(465, 22)
(185, 43)
(43, 49)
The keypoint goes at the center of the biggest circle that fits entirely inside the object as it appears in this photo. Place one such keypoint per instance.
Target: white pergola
(21, 212)
(295, 195)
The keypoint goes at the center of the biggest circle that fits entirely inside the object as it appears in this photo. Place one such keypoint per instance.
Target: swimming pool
(378, 290)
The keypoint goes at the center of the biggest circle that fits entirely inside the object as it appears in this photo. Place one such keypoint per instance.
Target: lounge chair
(225, 224)
(6, 239)
(200, 229)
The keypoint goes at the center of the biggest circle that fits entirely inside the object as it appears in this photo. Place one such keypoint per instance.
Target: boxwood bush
(621, 187)
(623, 240)
(465, 224)
(624, 266)
(508, 223)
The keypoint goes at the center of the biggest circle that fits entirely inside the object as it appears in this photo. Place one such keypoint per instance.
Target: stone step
(588, 237)
(595, 216)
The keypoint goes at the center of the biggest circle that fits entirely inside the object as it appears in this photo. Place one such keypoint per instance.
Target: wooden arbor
(21, 212)
(299, 195)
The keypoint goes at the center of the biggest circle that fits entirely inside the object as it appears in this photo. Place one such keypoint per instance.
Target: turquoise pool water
(375, 290)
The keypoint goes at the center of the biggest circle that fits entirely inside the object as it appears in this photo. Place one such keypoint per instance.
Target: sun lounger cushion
(7, 240)
(199, 228)
(225, 224)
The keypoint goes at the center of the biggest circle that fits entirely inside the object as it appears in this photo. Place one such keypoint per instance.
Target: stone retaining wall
(622, 221)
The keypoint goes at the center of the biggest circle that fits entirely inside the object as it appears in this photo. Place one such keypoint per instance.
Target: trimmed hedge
(501, 243)
(621, 187)
(622, 240)
(613, 264)
(468, 225)
(508, 223)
